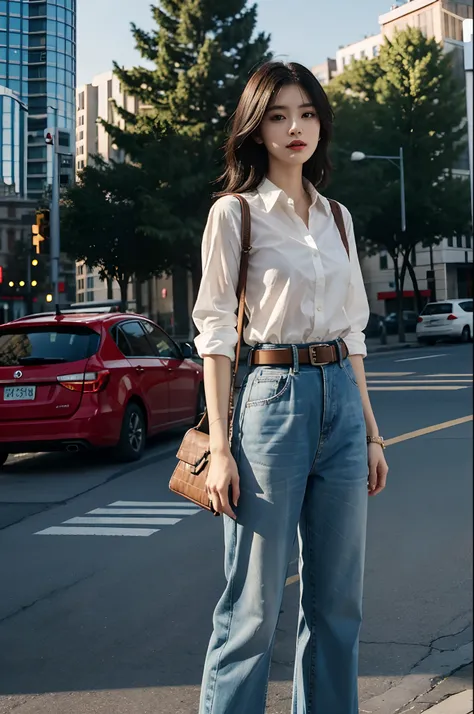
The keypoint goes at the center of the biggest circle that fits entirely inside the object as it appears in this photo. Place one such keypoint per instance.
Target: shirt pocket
(268, 386)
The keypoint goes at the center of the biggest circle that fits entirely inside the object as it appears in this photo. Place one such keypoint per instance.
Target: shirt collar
(271, 194)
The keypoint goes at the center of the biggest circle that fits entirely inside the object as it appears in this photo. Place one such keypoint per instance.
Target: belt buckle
(313, 355)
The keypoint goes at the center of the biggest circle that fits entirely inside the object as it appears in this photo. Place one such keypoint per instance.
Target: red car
(87, 379)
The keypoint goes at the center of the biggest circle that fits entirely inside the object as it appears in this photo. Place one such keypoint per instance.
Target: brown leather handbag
(194, 454)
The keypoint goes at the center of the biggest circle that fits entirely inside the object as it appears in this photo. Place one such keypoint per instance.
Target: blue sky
(306, 31)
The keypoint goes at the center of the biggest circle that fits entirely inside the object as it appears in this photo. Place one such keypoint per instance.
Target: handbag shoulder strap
(339, 218)
(245, 248)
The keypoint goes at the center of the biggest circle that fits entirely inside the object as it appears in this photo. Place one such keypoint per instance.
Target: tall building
(325, 71)
(38, 63)
(95, 102)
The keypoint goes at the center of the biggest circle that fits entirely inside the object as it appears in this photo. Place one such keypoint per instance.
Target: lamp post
(55, 240)
(360, 156)
(6, 92)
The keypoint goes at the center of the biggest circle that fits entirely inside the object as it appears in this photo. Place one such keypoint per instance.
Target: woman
(304, 433)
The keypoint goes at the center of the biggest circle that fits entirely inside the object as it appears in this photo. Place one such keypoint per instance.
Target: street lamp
(6, 92)
(360, 156)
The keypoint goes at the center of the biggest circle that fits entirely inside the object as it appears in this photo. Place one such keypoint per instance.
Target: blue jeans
(300, 447)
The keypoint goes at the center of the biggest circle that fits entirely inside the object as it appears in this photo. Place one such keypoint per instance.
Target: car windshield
(46, 345)
(438, 308)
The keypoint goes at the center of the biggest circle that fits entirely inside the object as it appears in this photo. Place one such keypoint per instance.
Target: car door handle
(139, 369)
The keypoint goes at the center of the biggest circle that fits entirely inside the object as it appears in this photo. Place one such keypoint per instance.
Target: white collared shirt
(301, 286)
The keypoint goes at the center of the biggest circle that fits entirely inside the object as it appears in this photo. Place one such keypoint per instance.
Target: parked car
(450, 319)
(374, 325)
(410, 319)
(90, 379)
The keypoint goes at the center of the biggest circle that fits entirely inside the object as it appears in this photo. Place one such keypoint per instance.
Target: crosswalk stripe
(143, 511)
(388, 374)
(123, 521)
(85, 531)
(418, 381)
(433, 388)
(154, 504)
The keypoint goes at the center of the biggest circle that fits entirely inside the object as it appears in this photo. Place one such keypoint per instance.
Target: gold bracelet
(215, 420)
(376, 440)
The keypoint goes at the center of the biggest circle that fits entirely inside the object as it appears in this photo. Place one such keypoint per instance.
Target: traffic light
(40, 229)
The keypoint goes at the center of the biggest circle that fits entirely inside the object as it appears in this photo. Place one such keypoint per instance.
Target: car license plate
(19, 394)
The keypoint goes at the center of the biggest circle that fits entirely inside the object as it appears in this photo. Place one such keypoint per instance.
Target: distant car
(374, 325)
(82, 380)
(449, 319)
(410, 319)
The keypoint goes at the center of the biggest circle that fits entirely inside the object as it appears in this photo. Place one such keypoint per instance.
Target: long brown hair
(247, 161)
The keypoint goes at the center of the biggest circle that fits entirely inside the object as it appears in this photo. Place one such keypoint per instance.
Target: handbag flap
(194, 448)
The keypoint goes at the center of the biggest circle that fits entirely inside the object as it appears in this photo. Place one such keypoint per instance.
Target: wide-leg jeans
(300, 447)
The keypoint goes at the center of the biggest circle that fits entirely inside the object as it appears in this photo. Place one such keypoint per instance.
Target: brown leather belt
(315, 355)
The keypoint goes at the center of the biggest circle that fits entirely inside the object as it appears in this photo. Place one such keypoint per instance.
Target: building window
(383, 261)
(11, 211)
(363, 54)
(468, 242)
(80, 297)
(80, 101)
(459, 242)
(80, 269)
(90, 282)
(90, 296)
(80, 150)
(450, 242)
(80, 284)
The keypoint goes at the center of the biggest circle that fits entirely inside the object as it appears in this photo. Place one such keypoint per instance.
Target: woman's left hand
(378, 469)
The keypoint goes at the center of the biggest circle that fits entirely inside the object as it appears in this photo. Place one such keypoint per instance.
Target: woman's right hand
(223, 479)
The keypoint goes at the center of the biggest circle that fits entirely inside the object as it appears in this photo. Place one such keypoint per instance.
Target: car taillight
(86, 382)
(452, 317)
(420, 319)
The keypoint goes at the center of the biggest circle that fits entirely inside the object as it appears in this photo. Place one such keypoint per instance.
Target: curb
(419, 681)
(457, 704)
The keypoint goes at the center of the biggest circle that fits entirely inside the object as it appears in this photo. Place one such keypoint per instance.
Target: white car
(450, 319)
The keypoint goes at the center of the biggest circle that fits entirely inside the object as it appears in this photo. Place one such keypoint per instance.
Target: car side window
(466, 306)
(132, 341)
(161, 342)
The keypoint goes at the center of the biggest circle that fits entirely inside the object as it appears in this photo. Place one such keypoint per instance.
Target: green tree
(102, 224)
(203, 52)
(407, 97)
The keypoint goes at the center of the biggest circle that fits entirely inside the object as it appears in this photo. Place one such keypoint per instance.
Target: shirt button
(319, 309)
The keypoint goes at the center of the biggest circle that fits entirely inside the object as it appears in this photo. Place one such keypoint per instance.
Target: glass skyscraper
(38, 63)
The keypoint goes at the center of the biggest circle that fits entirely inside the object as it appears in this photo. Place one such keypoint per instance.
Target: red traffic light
(1, 274)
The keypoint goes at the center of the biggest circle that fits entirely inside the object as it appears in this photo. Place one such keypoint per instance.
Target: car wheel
(200, 404)
(466, 334)
(133, 434)
(3, 457)
(431, 341)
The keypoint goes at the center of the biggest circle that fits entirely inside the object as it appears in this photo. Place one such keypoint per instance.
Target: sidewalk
(452, 695)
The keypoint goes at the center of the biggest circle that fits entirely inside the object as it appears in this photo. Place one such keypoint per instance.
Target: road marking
(419, 381)
(389, 374)
(406, 437)
(155, 504)
(433, 388)
(449, 375)
(143, 511)
(428, 430)
(126, 521)
(78, 531)
(414, 359)
(109, 521)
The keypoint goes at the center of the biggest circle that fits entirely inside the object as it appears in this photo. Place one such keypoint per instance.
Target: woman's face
(290, 128)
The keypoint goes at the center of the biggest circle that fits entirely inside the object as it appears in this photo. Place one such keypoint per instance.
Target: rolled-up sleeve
(215, 310)
(357, 305)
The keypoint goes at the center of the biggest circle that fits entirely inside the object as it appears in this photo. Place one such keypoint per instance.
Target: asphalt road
(110, 624)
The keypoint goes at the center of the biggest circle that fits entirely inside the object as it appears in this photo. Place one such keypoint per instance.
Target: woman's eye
(309, 115)
(277, 117)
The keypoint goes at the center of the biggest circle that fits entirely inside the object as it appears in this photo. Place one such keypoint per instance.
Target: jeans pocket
(349, 370)
(268, 386)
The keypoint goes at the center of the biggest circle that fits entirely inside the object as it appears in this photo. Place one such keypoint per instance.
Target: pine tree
(203, 53)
